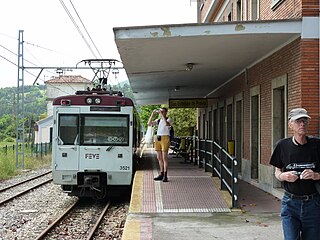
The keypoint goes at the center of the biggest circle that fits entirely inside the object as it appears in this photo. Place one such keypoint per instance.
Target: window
(279, 114)
(239, 15)
(108, 130)
(279, 108)
(68, 128)
(230, 17)
(254, 10)
(97, 130)
(275, 4)
(201, 4)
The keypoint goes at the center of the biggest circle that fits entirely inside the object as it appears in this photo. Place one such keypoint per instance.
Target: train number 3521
(124, 168)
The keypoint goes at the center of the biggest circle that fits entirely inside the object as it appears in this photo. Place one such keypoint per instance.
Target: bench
(178, 145)
(186, 154)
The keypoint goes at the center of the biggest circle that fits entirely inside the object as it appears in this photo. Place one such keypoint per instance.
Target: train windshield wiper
(59, 140)
(109, 148)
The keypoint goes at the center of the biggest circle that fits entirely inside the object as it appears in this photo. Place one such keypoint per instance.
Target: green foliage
(7, 166)
(7, 127)
(183, 120)
(9, 139)
(31, 160)
(34, 103)
(145, 114)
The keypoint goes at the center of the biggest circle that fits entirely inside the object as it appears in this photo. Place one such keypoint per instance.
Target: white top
(163, 129)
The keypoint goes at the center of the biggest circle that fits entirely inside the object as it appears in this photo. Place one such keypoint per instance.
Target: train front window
(107, 130)
(68, 129)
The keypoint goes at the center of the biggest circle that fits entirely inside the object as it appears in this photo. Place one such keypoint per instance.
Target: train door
(67, 139)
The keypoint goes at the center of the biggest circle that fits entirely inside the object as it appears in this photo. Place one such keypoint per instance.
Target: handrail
(222, 165)
(212, 157)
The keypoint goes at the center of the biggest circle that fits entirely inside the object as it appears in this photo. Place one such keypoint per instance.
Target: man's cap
(297, 113)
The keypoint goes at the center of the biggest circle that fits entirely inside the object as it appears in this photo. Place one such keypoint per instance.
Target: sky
(51, 39)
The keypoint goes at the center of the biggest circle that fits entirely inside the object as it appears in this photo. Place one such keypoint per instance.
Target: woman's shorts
(162, 145)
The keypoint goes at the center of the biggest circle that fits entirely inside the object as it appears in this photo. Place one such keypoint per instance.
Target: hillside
(34, 100)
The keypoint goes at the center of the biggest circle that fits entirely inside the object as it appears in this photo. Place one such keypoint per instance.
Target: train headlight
(89, 100)
(65, 102)
(97, 100)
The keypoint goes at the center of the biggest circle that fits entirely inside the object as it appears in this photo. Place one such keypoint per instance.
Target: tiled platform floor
(189, 189)
(191, 201)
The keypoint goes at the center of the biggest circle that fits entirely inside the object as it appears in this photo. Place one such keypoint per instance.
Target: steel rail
(24, 181)
(90, 236)
(98, 222)
(24, 192)
(58, 220)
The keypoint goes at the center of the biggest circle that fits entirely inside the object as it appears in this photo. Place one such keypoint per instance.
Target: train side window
(68, 128)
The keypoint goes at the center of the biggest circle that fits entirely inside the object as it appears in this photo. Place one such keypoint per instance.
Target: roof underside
(155, 57)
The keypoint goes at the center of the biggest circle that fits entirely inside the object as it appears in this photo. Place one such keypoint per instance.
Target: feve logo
(92, 156)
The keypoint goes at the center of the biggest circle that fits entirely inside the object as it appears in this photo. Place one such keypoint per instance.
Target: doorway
(255, 136)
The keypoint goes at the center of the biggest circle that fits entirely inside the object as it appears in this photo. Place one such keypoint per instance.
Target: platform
(191, 206)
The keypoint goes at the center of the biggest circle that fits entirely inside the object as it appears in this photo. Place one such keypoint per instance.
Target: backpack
(171, 131)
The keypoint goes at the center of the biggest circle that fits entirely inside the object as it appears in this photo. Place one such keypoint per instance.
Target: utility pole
(20, 106)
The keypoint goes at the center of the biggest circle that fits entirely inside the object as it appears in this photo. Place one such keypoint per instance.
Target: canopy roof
(156, 57)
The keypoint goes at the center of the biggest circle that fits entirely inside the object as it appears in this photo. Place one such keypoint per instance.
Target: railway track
(64, 225)
(13, 191)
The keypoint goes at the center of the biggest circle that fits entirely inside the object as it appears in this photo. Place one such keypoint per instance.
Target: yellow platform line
(136, 195)
(132, 228)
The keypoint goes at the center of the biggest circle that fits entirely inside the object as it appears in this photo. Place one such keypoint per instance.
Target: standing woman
(162, 142)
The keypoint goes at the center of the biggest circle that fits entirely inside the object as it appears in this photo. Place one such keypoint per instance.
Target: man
(162, 142)
(297, 162)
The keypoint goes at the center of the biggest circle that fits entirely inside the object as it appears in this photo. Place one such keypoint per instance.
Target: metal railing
(214, 158)
(38, 148)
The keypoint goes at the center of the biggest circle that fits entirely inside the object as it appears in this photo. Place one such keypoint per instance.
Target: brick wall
(310, 8)
(205, 9)
(310, 81)
(287, 9)
(285, 61)
(300, 61)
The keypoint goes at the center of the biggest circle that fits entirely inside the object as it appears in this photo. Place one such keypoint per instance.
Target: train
(96, 143)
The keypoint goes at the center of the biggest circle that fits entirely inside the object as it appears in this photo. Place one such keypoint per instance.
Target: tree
(145, 114)
(34, 103)
(184, 120)
(7, 127)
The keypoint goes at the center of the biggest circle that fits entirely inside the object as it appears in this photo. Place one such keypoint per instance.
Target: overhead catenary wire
(5, 48)
(74, 22)
(86, 29)
(15, 64)
(77, 27)
(15, 55)
(30, 72)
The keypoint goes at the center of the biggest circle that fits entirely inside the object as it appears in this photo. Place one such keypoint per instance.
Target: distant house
(64, 85)
(57, 86)
(43, 130)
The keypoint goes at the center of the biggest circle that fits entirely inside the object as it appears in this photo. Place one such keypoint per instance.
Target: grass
(8, 167)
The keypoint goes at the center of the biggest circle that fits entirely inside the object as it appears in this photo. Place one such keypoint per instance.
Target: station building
(251, 60)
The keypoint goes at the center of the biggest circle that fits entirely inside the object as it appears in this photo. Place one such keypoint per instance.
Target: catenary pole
(20, 143)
